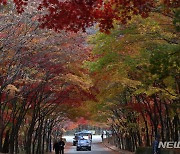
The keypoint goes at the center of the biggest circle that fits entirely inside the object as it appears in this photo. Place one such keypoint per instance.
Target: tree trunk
(159, 109)
(6, 143)
(176, 125)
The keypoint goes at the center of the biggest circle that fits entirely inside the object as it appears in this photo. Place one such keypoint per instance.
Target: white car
(83, 144)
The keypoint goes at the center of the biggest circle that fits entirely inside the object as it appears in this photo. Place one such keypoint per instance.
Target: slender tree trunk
(1, 139)
(44, 135)
(176, 125)
(48, 139)
(147, 130)
(50, 144)
(12, 141)
(1, 125)
(168, 124)
(16, 144)
(39, 147)
(159, 109)
(6, 143)
(29, 138)
(34, 143)
(139, 139)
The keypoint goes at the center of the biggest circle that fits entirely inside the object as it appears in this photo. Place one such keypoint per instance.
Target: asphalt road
(96, 148)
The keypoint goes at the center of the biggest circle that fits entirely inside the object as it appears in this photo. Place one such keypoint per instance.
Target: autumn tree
(77, 15)
(37, 80)
(136, 69)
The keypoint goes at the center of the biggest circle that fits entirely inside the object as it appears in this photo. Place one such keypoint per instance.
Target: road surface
(97, 147)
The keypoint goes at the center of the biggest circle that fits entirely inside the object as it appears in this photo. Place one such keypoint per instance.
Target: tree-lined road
(56, 75)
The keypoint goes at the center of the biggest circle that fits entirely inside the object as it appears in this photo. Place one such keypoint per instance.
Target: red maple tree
(77, 15)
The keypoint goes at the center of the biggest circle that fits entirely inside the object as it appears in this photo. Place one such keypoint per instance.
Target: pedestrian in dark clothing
(61, 145)
(156, 149)
(56, 147)
(102, 136)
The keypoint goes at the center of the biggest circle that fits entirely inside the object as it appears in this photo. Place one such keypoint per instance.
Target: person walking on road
(102, 136)
(56, 147)
(61, 145)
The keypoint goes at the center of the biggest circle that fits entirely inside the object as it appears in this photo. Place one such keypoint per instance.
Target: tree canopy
(77, 15)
